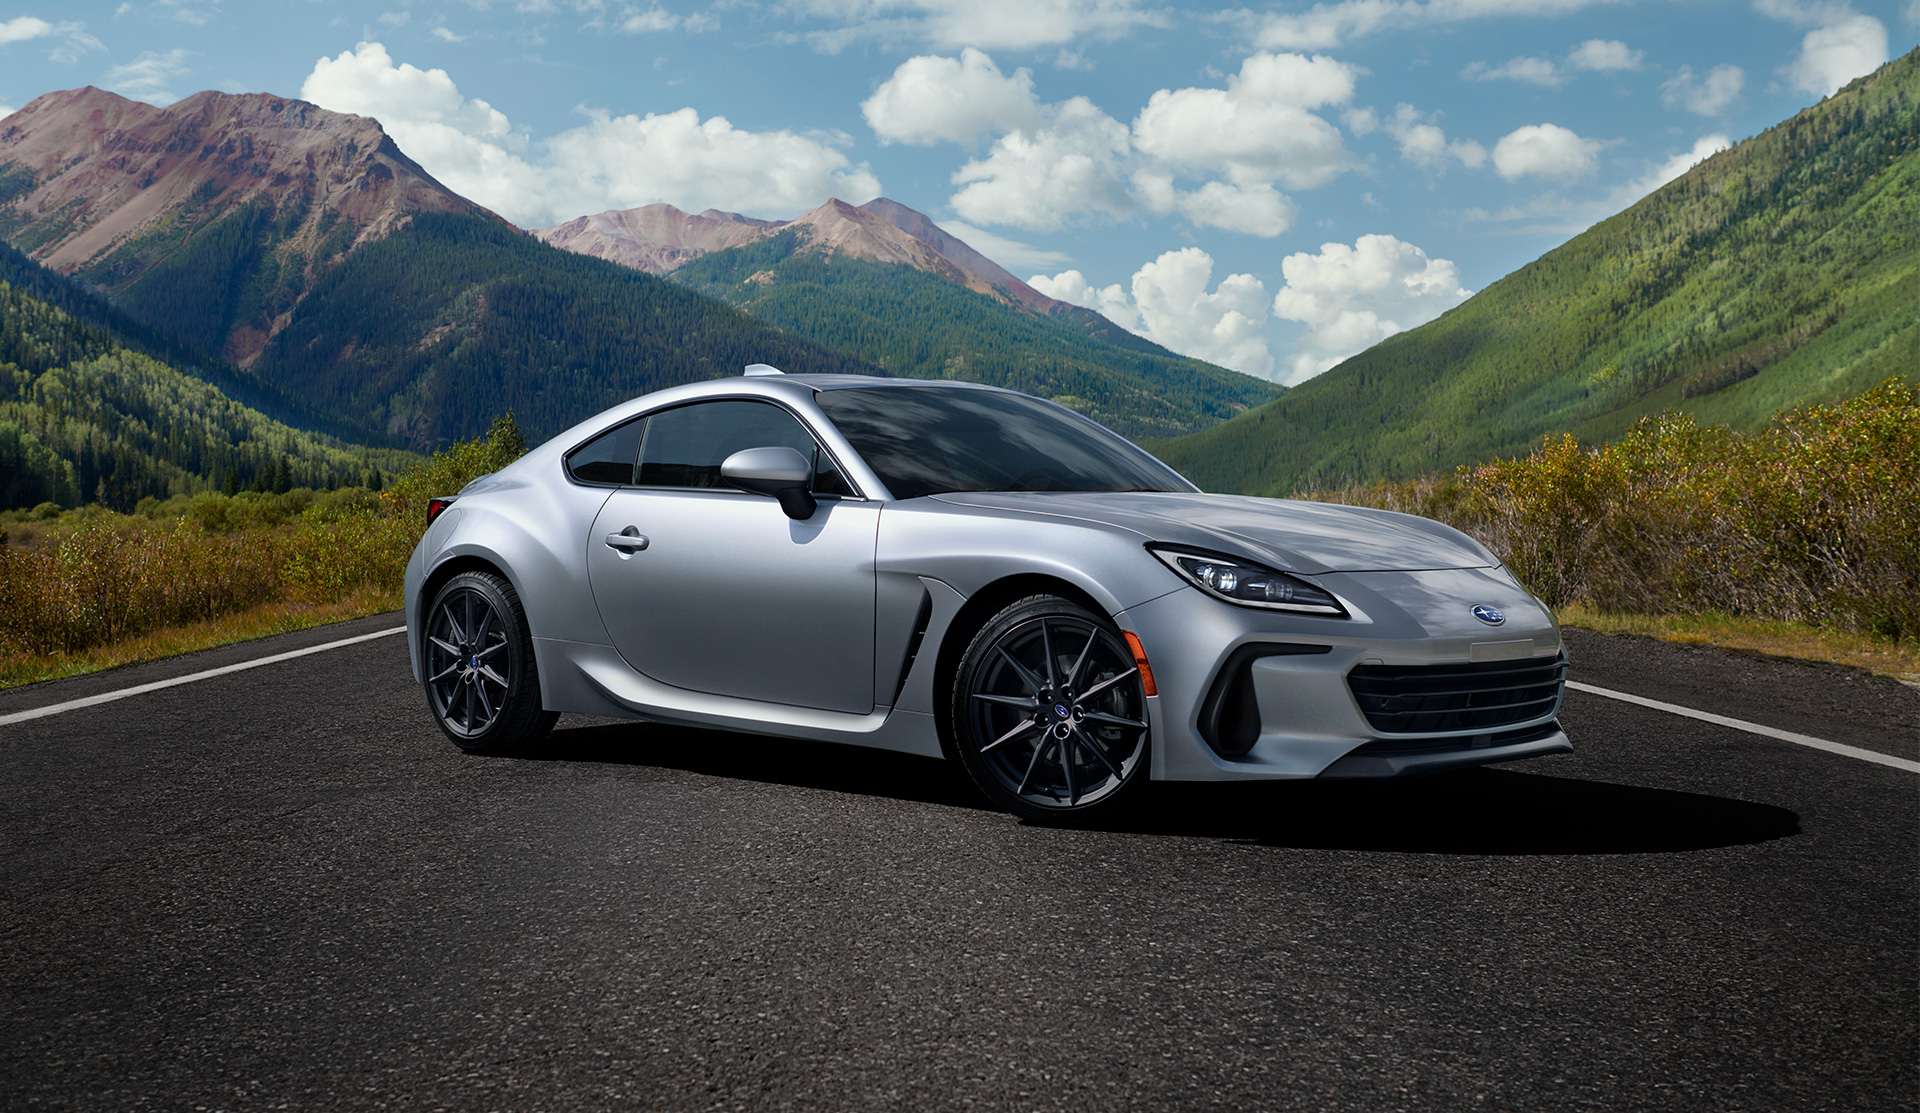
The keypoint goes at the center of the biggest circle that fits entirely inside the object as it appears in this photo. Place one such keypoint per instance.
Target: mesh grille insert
(1430, 699)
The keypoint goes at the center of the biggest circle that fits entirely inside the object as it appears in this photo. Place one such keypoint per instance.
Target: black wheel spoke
(1114, 720)
(487, 671)
(445, 644)
(1033, 683)
(1109, 682)
(1032, 764)
(1025, 725)
(453, 625)
(1099, 751)
(1024, 703)
(1073, 674)
(444, 673)
(1033, 738)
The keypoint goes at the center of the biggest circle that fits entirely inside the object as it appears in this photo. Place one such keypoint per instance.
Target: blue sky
(1271, 187)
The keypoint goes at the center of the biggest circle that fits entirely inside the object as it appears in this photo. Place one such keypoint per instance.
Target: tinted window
(607, 458)
(685, 447)
(925, 440)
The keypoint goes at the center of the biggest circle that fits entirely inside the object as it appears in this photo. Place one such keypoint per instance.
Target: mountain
(1781, 271)
(86, 418)
(299, 249)
(887, 284)
(212, 217)
(659, 239)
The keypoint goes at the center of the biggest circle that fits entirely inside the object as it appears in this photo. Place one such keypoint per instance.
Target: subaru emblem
(1489, 615)
(1060, 709)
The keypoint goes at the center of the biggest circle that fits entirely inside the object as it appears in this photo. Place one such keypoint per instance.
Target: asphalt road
(282, 888)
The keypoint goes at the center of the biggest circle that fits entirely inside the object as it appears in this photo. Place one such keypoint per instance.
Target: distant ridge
(660, 239)
(224, 190)
(1782, 271)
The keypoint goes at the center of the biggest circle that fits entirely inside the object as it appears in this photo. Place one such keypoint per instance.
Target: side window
(607, 458)
(685, 446)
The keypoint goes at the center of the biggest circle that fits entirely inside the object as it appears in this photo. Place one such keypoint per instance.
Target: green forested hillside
(914, 324)
(85, 419)
(1782, 271)
(433, 331)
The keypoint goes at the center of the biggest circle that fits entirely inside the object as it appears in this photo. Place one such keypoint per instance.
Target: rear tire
(482, 685)
(1049, 715)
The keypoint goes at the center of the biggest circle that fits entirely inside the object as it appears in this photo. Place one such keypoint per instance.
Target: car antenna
(755, 370)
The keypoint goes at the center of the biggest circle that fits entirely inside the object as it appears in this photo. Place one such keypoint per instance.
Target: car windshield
(926, 440)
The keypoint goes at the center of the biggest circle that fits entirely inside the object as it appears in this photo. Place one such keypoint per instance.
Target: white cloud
(150, 76)
(1053, 162)
(1533, 71)
(73, 39)
(1604, 55)
(1703, 148)
(23, 28)
(1329, 25)
(447, 36)
(1227, 327)
(611, 162)
(1833, 55)
(1170, 306)
(930, 99)
(1704, 97)
(1002, 250)
(1111, 302)
(7, 110)
(1074, 60)
(1256, 130)
(657, 19)
(1351, 298)
(1424, 144)
(1543, 150)
(1843, 44)
(1553, 214)
(1036, 180)
(396, 19)
(985, 24)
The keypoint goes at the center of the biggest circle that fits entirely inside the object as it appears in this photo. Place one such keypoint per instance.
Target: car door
(716, 590)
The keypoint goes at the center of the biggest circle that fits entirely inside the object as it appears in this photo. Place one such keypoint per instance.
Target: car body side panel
(536, 534)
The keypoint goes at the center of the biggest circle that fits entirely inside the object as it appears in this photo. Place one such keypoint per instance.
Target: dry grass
(89, 590)
(1813, 521)
(1771, 637)
(267, 619)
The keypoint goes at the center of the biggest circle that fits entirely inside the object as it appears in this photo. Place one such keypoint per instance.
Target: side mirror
(780, 472)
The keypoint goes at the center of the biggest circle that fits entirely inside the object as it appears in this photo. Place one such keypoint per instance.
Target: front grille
(1430, 699)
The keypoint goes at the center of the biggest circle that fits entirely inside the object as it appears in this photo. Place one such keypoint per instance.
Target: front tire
(482, 685)
(1049, 714)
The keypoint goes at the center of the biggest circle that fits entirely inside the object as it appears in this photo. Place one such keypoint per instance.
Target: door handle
(627, 540)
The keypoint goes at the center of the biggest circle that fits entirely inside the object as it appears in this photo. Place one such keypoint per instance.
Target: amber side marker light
(435, 506)
(1140, 659)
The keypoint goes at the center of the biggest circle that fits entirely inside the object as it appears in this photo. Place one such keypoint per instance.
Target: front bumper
(1251, 694)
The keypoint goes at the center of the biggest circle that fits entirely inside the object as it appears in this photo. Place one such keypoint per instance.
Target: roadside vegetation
(1801, 539)
(86, 589)
(1805, 530)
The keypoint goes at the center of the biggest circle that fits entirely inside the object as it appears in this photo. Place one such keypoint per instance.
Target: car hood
(1293, 536)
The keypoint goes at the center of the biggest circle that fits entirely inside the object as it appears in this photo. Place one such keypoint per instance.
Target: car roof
(862, 382)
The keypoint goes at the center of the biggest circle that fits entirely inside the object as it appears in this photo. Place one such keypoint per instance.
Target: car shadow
(1484, 811)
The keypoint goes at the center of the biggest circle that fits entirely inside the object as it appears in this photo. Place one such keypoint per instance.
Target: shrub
(1812, 519)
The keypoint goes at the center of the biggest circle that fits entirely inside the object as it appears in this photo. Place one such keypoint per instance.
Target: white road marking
(1754, 728)
(141, 689)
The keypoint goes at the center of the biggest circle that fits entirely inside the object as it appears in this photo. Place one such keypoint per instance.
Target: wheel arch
(437, 578)
(973, 616)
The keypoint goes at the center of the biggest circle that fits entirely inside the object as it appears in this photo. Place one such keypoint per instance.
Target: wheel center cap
(1060, 709)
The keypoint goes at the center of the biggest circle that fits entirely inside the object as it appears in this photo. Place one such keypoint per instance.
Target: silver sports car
(965, 572)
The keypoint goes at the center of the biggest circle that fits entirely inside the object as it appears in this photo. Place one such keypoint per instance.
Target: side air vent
(1230, 715)
(1433, 699)
(920, 620)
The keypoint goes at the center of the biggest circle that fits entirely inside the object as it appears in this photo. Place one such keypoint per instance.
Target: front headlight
(1248, 584)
